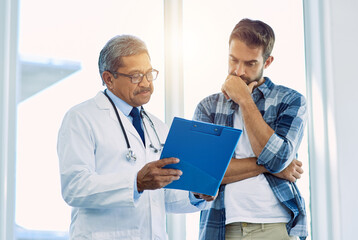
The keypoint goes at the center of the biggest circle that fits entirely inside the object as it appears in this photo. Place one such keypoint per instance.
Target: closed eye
(232, 59)
(250, 63)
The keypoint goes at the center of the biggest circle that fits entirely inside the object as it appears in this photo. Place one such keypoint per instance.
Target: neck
(260, 82)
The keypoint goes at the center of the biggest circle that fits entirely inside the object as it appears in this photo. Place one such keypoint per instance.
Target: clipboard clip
(206, 128)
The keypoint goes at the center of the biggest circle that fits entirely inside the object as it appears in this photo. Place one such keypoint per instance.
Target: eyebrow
(249, 61)
(138, 71)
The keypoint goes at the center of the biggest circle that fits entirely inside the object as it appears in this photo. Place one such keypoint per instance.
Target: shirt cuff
(136, 194)
(195, 201)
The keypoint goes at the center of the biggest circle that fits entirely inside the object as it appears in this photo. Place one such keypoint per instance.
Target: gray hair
(110, 58)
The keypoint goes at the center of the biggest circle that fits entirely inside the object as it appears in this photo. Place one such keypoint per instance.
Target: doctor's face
(135, 94)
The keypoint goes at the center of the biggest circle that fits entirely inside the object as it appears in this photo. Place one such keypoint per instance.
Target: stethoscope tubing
(151, 145)
(119, 119)
(130, 155)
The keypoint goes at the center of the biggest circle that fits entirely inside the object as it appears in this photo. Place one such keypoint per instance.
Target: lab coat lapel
(104, 104)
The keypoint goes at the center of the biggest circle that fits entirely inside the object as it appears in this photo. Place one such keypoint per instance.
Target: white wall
(344, 31)
(331, 52)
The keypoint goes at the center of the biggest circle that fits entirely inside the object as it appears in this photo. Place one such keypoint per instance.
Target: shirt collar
(264, 89)
(120, 104)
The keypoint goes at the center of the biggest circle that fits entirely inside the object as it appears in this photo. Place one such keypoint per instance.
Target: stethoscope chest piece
(131, 157)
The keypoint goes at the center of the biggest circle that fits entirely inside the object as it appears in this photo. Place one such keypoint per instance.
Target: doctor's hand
(292, 172)
(154, 176)
(207, 198)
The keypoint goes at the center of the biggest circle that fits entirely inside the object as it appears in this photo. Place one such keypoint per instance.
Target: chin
(144, 101)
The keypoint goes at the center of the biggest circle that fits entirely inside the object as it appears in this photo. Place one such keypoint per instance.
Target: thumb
(251, 86)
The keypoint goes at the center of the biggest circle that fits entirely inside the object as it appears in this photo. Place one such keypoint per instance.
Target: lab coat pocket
(129, 234)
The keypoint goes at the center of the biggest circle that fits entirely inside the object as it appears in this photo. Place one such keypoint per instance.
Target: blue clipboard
(204, 150)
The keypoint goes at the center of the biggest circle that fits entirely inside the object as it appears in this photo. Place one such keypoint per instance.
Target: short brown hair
(254, 33)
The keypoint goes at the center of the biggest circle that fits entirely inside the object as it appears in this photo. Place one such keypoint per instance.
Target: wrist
(139, 187)
(263, 169)
(246, 102)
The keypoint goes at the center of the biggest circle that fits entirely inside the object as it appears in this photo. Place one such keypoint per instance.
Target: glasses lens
(152, 75)
(149, 76)
(136, 78)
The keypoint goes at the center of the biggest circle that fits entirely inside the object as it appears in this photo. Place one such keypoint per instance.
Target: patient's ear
(268, 61)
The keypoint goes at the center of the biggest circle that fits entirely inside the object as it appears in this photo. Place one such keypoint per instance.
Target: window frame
(9, 12)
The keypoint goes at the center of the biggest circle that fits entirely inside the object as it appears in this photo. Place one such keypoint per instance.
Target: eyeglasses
(138, 77)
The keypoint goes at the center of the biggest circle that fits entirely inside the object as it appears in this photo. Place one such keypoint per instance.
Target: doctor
(108, 150)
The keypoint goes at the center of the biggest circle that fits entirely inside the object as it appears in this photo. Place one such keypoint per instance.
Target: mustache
(145, 89)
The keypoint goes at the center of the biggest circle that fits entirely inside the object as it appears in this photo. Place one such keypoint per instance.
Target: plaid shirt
(284, 110)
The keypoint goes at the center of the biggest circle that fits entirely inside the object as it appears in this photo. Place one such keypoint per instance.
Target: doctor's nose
(145, 82)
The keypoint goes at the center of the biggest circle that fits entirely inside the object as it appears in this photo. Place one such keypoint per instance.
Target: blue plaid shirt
(284, 110)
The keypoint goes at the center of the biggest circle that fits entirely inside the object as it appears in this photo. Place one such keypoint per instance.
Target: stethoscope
(131, 157)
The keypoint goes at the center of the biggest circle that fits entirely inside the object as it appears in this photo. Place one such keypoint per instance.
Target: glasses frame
(132, 76)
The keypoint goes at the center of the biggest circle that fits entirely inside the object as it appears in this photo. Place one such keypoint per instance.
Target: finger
(208, 198)
(205, 196)
(169, 179)
(166, 180)
(166, 161)
(300, 170)
(170, 172)
(297, 175)
(251, 86)
(226, 96)
(224, 92)
(299, 163)
(292, 179)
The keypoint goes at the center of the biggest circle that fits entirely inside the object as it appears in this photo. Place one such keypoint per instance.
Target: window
(59, 46)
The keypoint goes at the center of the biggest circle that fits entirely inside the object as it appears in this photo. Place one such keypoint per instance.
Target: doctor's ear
(107, 78)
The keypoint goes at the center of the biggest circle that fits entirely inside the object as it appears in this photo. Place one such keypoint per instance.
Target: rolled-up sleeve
(289, 128)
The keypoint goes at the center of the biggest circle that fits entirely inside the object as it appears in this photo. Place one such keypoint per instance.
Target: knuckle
(156, 179)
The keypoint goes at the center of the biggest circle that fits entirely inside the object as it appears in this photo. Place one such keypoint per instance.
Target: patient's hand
(292, 172)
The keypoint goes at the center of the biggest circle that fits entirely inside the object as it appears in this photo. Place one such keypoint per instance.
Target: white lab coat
(97, 180)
